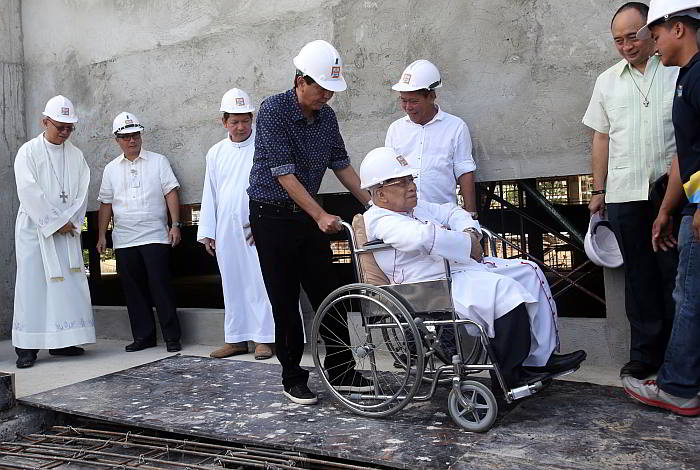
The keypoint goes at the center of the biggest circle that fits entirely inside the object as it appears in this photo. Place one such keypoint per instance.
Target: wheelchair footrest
(532, 388)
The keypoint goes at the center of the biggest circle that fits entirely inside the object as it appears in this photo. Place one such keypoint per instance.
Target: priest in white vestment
(484, 290)
(52, 308)
(224, 231)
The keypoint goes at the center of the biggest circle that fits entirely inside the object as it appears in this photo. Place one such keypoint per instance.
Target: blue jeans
(680, 373)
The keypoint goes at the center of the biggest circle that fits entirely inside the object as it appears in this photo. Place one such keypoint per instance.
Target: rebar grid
(63, 446)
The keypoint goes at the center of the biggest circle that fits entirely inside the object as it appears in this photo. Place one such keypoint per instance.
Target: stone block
(7, 390)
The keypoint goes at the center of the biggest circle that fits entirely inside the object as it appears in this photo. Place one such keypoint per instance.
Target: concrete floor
(567, 426)
(108, 356)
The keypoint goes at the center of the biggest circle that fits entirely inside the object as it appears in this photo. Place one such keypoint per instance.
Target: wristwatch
(177, 224)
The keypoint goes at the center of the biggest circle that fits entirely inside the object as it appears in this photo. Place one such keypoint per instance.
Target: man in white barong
(510, 299)
(139, 189)
(52, 307)
(224, 231)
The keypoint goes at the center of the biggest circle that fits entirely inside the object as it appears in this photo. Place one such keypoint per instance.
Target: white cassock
(52, 300)
(482, 292)
(224, 211)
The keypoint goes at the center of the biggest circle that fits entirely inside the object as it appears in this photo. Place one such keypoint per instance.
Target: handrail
(562, 278)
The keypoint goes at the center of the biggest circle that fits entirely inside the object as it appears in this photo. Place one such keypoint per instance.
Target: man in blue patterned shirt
(297, 139)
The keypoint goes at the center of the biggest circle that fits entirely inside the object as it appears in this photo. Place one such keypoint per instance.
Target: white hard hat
(421, 74)
(126, 123)
(236, 101)
(382, 164)
(665, 9)
(600, 243)
(320, 61)
(61, 109)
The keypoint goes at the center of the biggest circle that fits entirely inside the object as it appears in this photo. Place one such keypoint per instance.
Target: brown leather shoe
(230, 349)
(262, 351)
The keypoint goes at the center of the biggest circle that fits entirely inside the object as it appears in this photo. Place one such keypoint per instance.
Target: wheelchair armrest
(373, 245)
(489, 240)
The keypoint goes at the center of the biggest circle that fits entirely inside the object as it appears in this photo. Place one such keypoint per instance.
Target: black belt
(291, 206)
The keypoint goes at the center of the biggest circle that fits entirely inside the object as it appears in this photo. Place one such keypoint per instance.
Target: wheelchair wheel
(476, 409)
(379, 328)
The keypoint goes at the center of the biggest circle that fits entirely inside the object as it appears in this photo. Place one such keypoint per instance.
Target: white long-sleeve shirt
(482, 292)
(442, 149)
(422, 239)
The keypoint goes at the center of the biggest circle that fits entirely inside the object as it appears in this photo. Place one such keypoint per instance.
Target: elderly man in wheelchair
(434, 279)
(511, 299)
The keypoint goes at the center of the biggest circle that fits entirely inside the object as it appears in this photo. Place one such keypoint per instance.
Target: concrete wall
(12, 135)
(519, 72)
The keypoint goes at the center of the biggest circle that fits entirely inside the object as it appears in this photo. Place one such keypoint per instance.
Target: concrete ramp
(567, 426)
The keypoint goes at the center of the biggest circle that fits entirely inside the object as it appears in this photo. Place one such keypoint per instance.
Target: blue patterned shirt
(285, 143)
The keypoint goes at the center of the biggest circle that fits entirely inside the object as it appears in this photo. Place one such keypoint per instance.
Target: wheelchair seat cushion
(369, 270)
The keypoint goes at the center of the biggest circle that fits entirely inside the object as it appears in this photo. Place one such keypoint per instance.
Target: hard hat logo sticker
(402, 161)
(65, 111)
(128, 121)
(240, 102)
(406, 78)
(335, 72)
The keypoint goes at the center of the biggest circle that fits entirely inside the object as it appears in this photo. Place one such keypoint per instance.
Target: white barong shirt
(136, 190)
(642, 139)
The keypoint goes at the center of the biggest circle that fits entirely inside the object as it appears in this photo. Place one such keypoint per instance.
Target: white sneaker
(649, 393)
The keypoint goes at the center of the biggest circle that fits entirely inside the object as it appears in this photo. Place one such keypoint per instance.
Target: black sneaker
(301, 394)
(352, 382)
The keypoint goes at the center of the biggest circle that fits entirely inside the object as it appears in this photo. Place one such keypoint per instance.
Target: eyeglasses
(403, 182)
(67, 128)
(133, 135)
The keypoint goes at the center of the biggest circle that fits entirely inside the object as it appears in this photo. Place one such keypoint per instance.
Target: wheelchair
(406, 340)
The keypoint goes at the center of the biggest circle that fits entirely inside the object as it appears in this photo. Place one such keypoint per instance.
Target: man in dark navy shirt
(674, 25)
(297, 139)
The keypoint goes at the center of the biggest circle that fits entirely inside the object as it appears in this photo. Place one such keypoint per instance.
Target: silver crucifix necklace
(645, 103)
(63, 195)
